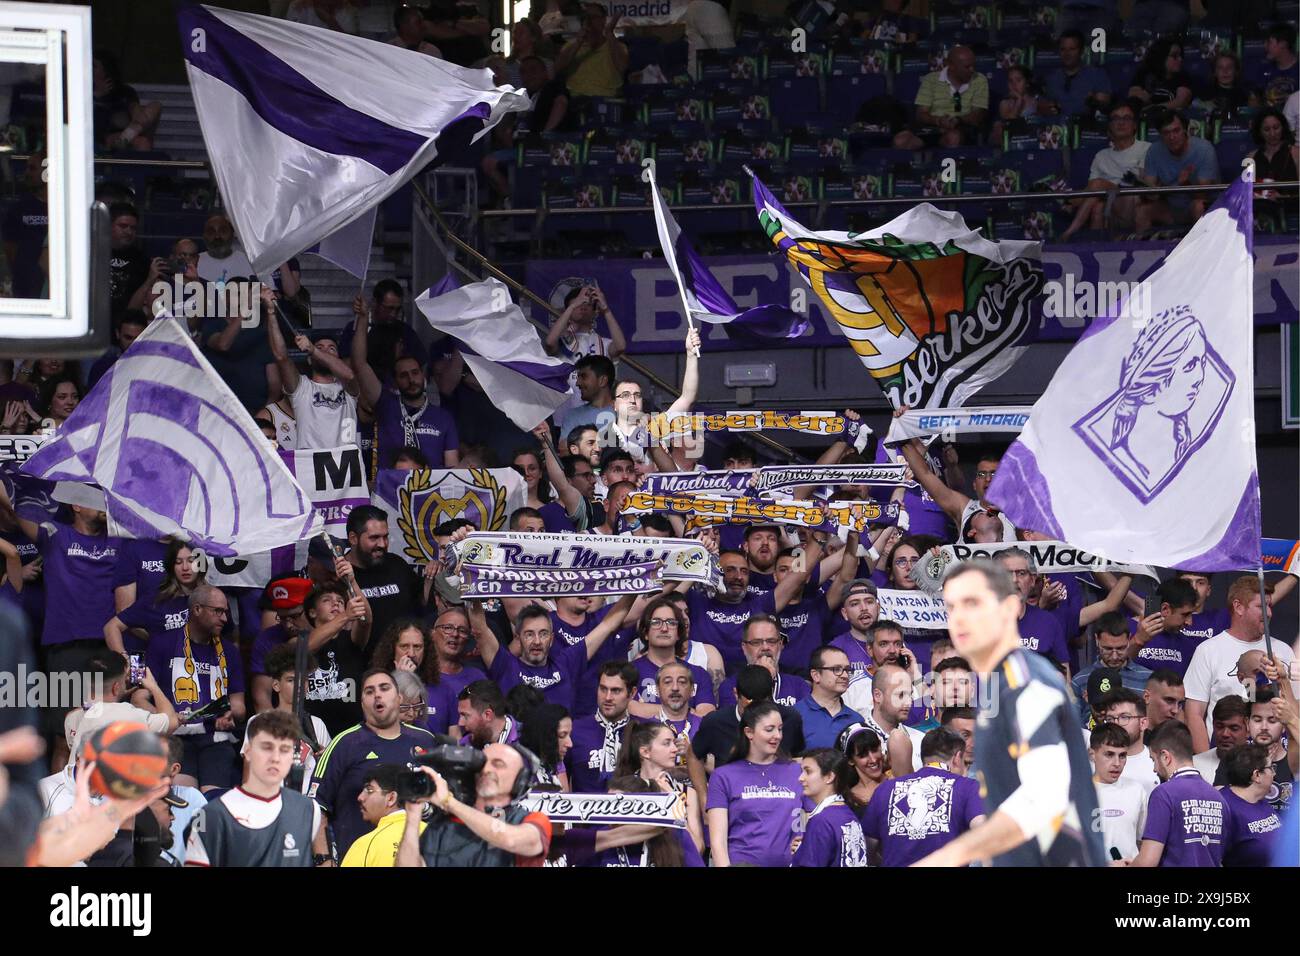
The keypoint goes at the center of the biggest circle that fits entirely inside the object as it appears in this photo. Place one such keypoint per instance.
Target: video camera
(459, 766)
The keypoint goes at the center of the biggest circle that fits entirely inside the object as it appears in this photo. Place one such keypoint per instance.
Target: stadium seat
(846, 93)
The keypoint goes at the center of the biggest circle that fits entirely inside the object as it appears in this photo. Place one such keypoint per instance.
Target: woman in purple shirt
(130, 630)
(1253, 825)
(832, 836)
(754, 801)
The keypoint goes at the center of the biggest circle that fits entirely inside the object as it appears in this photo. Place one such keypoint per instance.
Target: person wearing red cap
(287, 596)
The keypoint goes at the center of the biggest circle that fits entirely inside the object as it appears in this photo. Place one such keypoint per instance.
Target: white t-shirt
(1140, 769)
(1212, 674)
(234, 266)
(1207, 764)
(708, 27)
(79, 724)
(1111, 164)
(1291, 110)
(1123, 806)
(325, 412)
(286, 428)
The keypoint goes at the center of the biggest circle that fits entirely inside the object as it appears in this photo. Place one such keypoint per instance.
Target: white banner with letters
(924, 422)
(913, 609)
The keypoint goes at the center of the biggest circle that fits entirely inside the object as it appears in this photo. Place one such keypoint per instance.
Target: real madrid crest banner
(1142, 448)
(934, 310)
(419, 501)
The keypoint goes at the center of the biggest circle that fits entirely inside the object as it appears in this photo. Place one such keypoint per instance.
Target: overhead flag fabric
(704, 298)
(307, 128)
(934, 310)
(502, 349)
(1142, 448)
(177, 454)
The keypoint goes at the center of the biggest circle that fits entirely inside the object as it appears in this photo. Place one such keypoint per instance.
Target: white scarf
(613, 741)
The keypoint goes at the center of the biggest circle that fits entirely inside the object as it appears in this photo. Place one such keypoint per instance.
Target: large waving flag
(501, 348)
(1142, 448)
(307, 129)
(934, 310)
(704, 297)
(177, 454)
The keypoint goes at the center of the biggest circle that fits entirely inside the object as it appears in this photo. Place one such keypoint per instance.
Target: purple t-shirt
(1173, 651)
(1067, 613)
(267, 640)
(575, 633)
(557, 678)
(760, 582)
(647, 687)
(762, 804)
(832, 838)
(804, 625)
(32, 599)
(78, 573)
(915, 815)
(723, 625)
(860, 658)
(441, 701)
(458, 682)
(555, 519)
(435, 431)
(787, 692)
(199, 682)
(589, 765)
(1190, 818)
(141, 562)
(1040, 632)
(1253, 830)
(154, 619)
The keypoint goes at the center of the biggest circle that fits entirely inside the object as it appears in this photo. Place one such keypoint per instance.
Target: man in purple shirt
(554, 671)
(762, 644)
(861, 609)
(1039, 631)
(1186, 817)
(405, 417)
(1159, 639)
(720, 619)
(597, 739)
(1205, 622)
(912, 816)
(762, 544)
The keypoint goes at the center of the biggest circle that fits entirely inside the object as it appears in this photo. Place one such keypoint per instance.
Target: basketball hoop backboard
(62, 308)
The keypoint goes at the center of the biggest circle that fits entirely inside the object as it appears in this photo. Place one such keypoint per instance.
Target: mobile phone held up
(135, 670)
(1151, 606)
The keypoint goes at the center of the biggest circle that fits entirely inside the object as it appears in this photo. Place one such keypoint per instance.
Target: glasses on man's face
(663, 624)
(410, 708)
(1120, 718)
(453, 629)
(839, 670)
(627, 396)
(223, 611)
(763, 642)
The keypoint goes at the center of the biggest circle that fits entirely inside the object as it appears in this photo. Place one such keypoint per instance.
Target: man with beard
(595, 382)
(342, 769)
(325, 400)
(584, 442)
(861, 608)
(389, 336)
(762, 543)
(554, 671)
(597, 739)
(763, 644)
(405, 417)
(224, 259)
(886, 647)
(389, 583)
(720, 619)
(129, 273)
(1266, 730)
(675, 685)
(1113, 640)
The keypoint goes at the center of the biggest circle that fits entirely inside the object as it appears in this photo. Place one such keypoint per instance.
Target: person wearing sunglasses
(823, 711)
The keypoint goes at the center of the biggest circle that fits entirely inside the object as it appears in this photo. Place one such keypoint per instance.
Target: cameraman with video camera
(495, 831)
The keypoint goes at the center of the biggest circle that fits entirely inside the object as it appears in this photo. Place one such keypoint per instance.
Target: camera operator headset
(497, 830)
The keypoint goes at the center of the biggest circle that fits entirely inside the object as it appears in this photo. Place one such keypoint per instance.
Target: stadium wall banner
(418, 501)
(640, 13)
(644, 295)
(1045, 557)
(653, 809)
(681, 560)
(913, 609)
(20, 447)
(334, 479)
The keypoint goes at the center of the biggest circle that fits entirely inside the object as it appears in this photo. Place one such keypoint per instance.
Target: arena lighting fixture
(741, 376)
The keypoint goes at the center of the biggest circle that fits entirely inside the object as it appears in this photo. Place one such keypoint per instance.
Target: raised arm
(561, 325)
(690, 377)
(952, 502)
(569, 496)
(280, 352)
(617, 341)
(1114, 599)
(484, 638)
(798, 577)
(609, 625)
(30, 529)
(370, 388)
(335, 365)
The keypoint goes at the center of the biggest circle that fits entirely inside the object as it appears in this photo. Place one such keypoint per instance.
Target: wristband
(321, 858)
(873, 554)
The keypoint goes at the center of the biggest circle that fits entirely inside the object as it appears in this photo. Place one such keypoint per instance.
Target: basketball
(129, 760)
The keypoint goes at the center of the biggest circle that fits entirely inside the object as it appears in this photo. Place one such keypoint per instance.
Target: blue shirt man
(823, 711)
(1112, 639)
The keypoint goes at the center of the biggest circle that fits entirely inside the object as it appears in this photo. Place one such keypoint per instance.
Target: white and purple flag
(307, 129)
(1142, 449)
(703, 296)
(177, 454)
(502, 348)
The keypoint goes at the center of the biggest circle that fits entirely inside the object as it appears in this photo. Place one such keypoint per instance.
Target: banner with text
(664, 428)
(643, 294)
(1281, 554)
(652, 809)
(1045, 557)
(780, 477)
(480, 581)
(20, 447)
(334, 479)
(913, 609)
(705, 510)
(923, 422)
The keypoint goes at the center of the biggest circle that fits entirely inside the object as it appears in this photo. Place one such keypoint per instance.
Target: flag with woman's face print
(1142, 448)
